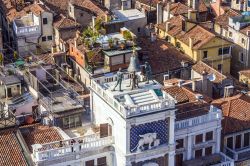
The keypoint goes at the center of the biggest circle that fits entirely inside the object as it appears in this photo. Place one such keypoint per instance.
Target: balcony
(225, 160)
(238, 154)
(239, 22)
(27, 26)
(219, 159)
(73, 147)
(213, 115)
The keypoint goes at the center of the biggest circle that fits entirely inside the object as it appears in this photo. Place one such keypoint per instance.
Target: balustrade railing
(210, 116)
(128, 111)
(66, 147)
(238, 154)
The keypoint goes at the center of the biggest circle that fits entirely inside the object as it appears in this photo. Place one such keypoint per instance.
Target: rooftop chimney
(194, 85)
(196, 5)
(191, 42)
(204, 82)
(167, 26)
(159, 13)
(189, 3)
(75, 42)
(192, 15)
(168, 12)
(228, 91)
(93, 21)
(248, 33)
(183, 25)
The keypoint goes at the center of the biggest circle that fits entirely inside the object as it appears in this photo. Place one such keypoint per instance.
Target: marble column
(171, 158)
(189, 147)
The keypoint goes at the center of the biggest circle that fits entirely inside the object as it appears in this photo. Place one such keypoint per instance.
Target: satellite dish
(211, 77)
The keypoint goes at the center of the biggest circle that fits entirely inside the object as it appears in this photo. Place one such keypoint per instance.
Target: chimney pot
(167, 26)
(191, 42)
(192, 15)
(248, 33)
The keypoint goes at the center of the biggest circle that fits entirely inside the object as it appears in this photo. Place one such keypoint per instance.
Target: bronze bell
(133, 65)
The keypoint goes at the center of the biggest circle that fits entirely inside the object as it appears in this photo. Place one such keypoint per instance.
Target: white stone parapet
(212, 115)
(167, 102)
(225, 160)
(49, 151)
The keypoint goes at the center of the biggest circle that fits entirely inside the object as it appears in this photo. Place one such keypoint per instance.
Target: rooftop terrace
(145, 99)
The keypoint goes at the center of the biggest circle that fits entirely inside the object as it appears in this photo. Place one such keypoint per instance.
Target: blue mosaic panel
(160, 127)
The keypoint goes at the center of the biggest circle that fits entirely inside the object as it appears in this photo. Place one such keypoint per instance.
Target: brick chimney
(168, 12)
(196, 5)
(159, 13)
(192, 15)
(167, 26)
(191, 42)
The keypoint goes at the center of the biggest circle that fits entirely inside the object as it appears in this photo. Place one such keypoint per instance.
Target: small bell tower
(133, 68)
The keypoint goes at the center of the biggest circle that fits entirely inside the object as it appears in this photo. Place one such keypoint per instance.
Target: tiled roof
(161, 55)
(183, 94)
(245, 73)
(191, 110)
(148, 2)
(58, 6)
(236, 113)
(182, 8)
(62, 22)
(245, 30)
(175, 30)
(91, 5)
(223, 19)
(11, 13)
(178, 93)
(178, 8)
(187, 103)
(38, 134)
(198, 40)
(10, 149)
(201, 67)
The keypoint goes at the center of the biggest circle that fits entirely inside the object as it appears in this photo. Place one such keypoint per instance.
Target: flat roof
(115, 52)
(145, 94)
(130, 14)
(10, 80)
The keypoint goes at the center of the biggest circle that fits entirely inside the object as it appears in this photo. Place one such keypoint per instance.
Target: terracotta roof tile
(198, 40)
(39, 134)
(148, 2)
(58, 6)
(245, 30)
(11, 12)
(178, 9)
(183, 94)
(223, 19)
(161, 55)
(245, 73)
(10, 149)
(182, 8)
(201, 67)
(91, 5)
(175, 30)
(236, 113)
(191, 110)
(62, 22)
(187, 104)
